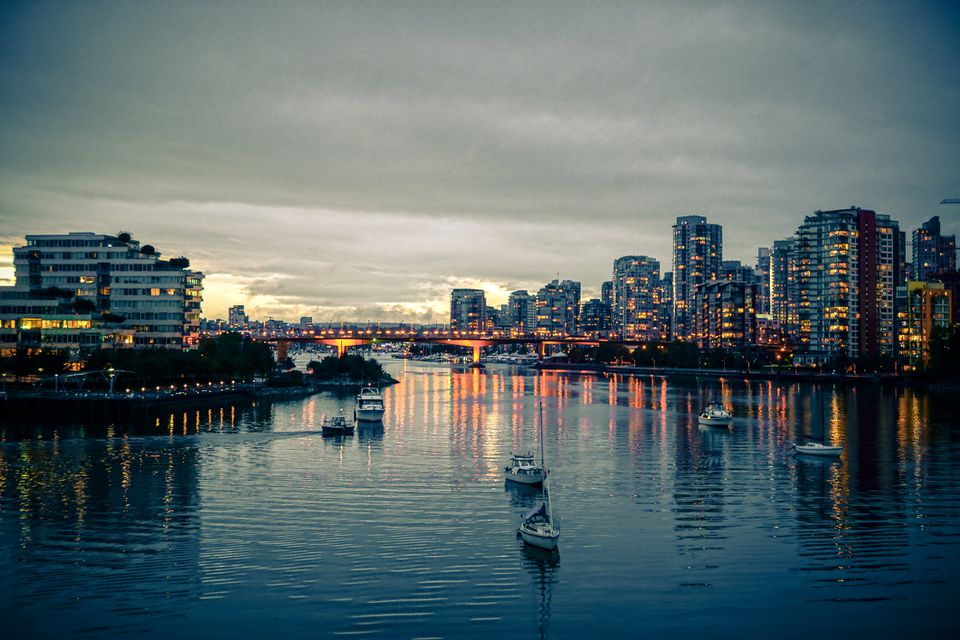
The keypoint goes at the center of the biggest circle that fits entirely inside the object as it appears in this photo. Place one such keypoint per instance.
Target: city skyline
(358, 163)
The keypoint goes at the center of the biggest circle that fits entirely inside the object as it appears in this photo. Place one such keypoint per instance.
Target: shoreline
(746, 374)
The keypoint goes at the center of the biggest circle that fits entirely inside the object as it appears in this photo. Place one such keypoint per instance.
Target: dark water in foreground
(246, 522)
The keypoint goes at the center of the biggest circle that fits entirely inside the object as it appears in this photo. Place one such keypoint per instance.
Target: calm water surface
(246, 521)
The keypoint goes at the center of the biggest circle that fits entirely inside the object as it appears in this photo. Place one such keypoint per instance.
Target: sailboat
(538, 526)
(813, 447)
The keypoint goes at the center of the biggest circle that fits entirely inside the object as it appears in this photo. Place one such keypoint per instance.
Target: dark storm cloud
(347, 155)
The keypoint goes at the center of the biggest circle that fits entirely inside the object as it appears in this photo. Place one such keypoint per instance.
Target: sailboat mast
(546, 472)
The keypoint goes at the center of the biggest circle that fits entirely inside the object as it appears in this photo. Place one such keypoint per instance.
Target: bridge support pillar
(476, 353)
(541, 350)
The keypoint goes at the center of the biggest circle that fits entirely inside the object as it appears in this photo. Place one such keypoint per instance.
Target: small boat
(816, 446)
(715, 415)
(538, 527)
(369, 407)
(337, 426)
(817, 449)
(522, 469)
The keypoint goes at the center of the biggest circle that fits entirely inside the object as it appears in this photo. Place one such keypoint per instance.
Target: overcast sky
(358, 160)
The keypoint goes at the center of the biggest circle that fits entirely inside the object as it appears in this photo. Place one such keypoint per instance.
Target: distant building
(523, 312)
(237, 317)
(468, 310)
(558, 303)
(925, 308)
(666, 305)
(736, 271)
(606, 292)
(784, 300)
(762, 271)
(849, 265)
(637, 299)
(595, 318)
(725, 315)
(697, 254)
(932, 252)
(306, 322)
(84, 290)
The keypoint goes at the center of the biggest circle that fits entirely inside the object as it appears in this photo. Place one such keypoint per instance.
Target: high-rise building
(637, 299)
(932, 252)
(697, 254)
(558, 303)
(924, 308)
(736, 271)
(762, 271)
(784, 301)
(724, 314)
(606, 292)
(666, 305)
(849, 265)
(523, 312)
(237, 317)
(595, 318)
(468, 310)
(127, 293)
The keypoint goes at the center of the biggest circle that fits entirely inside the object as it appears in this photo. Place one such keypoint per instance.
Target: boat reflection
(543, 567)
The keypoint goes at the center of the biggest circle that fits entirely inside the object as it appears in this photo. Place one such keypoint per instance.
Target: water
(246, 521)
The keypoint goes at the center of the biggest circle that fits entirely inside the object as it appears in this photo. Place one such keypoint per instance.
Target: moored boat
(538, 527)
(369, 407)
(817, 449)
(337, 425)
(715, 415)
(522, 469)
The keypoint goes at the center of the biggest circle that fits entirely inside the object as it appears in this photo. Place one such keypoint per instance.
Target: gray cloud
(349, 155)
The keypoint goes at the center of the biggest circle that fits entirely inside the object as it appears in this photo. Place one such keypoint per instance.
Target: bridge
(344, 339)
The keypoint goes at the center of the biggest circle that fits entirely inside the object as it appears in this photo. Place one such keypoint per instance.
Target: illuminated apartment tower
(932, 252)
(849, 265)
(468, 310)
(784, 302)
(637, 299)
(140, 299)
(697, 254)
(558, 304)
(522, 311)
(724, 314)
(763, 280)
(924, 309)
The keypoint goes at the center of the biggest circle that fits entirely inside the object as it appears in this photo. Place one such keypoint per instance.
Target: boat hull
(369, 415)
(818, 451)
(540, 540)
(715, 422)
(525, 478)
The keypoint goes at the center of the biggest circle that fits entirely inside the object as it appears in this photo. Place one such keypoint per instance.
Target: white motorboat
(369, 407)
(538, 527)
(337, 425)
(523, 469)
(817, 449)
(715, 415)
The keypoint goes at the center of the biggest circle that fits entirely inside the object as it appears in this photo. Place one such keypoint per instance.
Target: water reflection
(244, 519)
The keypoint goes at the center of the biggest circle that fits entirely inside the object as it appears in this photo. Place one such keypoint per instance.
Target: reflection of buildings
(119, 520)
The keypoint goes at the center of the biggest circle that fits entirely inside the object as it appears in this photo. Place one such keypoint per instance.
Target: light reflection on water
(245, 520)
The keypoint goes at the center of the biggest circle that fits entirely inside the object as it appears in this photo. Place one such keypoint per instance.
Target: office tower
(121, 293)
(848, 268)
(697, 254)
(637, 298)
(468, 310)
(724, 314)
(932, 252)
(558, 303)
